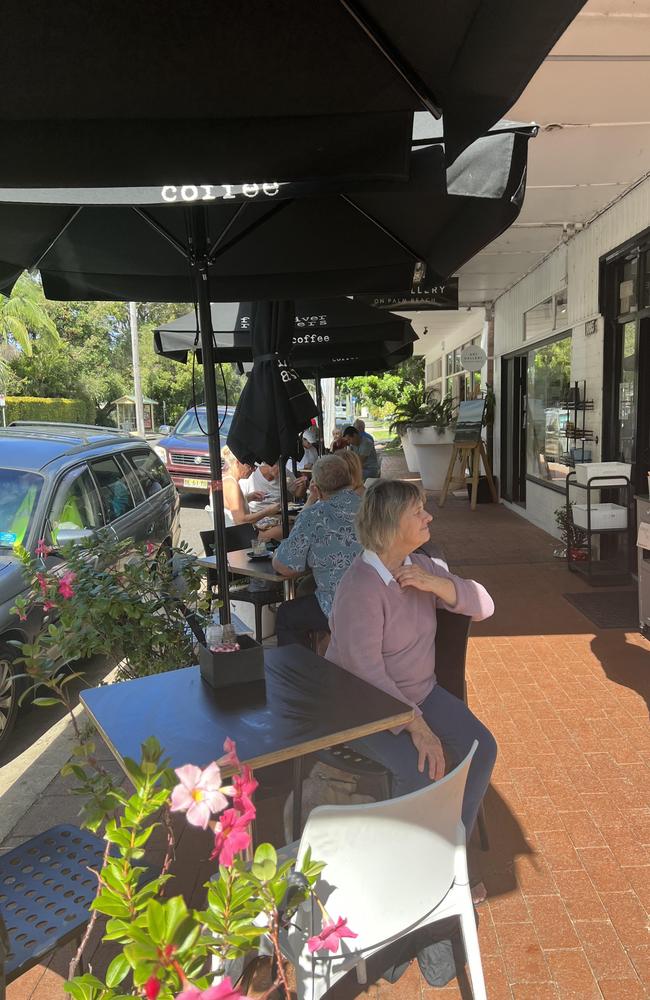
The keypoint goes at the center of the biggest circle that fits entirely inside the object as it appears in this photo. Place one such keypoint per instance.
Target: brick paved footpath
(568, 871)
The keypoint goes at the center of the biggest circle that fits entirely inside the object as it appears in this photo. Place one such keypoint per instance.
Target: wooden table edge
(279, 756)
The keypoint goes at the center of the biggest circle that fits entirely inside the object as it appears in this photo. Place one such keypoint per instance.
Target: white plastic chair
(391, 867)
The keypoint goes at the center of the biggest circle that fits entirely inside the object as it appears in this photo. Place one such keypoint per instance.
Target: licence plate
(199, 484)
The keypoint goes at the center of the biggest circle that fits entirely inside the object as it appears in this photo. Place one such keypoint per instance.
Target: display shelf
(612, 567)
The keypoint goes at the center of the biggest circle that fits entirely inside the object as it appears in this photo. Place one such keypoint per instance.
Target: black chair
(46, 889)
(452, 635)
(240, 536)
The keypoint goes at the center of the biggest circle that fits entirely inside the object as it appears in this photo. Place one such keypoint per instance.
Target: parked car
(65, 483)
(185, 450)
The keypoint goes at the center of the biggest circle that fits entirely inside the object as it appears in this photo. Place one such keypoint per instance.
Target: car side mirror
(164, 429)
(72, 536)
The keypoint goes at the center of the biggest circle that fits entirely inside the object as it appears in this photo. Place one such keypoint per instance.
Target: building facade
(572, 360)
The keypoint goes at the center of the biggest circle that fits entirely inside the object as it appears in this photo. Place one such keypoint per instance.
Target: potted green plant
(432, 437)
(573, 538)
(411, 408)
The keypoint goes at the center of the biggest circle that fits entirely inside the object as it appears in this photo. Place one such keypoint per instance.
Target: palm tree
(24, 318)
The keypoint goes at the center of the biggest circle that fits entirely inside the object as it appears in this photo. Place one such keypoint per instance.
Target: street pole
(137, 383)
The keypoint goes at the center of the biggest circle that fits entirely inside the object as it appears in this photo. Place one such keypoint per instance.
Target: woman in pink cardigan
(383, 625)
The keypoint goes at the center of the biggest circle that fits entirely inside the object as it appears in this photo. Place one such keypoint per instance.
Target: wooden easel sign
(469, 451)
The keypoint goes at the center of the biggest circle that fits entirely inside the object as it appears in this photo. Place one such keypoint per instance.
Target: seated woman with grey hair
(383, 626)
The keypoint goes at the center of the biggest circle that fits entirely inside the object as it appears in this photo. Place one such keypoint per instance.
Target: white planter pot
(433, 452)
(409, 452)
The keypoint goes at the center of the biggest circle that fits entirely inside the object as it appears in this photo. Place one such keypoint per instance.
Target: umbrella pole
(284, 496)
(200, 273)
(319, 405)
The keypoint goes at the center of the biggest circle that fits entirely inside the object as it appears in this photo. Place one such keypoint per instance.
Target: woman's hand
(415, 576)
(429, 748)
(256, 495)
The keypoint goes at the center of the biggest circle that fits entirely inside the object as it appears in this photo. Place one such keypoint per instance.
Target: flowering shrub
(114, 598)
(166, 949)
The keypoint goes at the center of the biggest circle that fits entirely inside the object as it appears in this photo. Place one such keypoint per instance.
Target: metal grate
(177, 458)
(46, 887)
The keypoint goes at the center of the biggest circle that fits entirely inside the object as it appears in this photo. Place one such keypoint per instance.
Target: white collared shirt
(373, 560)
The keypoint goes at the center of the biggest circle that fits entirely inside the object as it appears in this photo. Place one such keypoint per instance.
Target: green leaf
(265, 862)
(175, 914)
(117, 971)
(156, 921)
(46, 702)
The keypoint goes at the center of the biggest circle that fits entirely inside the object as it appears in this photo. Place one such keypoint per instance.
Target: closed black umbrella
(90, 93)
(322, 327)
(274, 406)
(278, 243)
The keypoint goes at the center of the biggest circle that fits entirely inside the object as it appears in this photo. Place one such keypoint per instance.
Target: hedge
(65, 411)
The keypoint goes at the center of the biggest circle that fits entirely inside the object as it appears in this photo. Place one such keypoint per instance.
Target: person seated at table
(265, 480)
(364, 447)
(383, 629)
(353, 462)
(338, 441)
(309, 439)
(361, 427)
(323, 539)
(235, 504)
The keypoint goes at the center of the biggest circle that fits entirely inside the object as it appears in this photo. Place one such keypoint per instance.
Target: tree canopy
(380, 393)
(83, 350)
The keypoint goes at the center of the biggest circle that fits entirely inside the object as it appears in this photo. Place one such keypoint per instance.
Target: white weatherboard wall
(459, 329)
(574, 266)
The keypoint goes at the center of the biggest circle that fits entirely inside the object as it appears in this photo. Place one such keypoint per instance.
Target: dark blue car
(185, 450)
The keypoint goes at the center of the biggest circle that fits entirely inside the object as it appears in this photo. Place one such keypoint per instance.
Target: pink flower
(48, 605)
(42, 549)
(330, 936)
(198, 794)
(65, 584)
(152, 988)
(231, 836)
(244, 785)
(42, 582)
(150, 549)
(224, 991)
(230, 756)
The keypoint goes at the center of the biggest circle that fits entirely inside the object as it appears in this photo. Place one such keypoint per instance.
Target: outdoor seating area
(564, 870)
(325, 501)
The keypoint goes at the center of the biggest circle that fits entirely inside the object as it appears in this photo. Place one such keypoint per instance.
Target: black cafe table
(304, 704)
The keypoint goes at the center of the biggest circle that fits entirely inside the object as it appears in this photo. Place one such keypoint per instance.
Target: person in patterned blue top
(323, 539)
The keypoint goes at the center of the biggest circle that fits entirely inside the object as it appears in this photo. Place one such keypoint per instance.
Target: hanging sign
(472, 358)
(426, 297)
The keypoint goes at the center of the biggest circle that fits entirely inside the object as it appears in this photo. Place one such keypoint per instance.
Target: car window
(75, 504)
(113, 488)
(189, 426)
(152, 474)
(129, 474)
(19, 492)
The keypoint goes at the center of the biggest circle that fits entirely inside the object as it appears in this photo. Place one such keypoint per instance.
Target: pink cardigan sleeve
(472, 598)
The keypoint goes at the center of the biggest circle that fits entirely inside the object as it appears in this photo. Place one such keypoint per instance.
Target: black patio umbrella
(91, 93)
(322, 326)
(276, 243)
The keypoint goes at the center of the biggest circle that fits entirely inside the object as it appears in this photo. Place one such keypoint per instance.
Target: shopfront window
(627, 286)
(627, 395)
(548, 455)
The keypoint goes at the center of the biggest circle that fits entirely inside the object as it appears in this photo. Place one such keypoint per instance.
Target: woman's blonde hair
(382, 507)
(228, 459)
(353, 462)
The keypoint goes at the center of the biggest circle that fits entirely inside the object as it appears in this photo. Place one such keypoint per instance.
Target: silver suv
(65, 483)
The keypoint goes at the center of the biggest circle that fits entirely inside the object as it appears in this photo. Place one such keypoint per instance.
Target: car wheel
(9, 692)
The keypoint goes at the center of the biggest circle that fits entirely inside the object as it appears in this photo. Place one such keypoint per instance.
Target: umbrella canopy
(322, 328)
(275, 243)
(274, 406)
(90, 93)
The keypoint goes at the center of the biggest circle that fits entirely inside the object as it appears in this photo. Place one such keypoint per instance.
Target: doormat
(608, 609)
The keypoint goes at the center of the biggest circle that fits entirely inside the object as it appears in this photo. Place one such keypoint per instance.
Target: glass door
(513, 428)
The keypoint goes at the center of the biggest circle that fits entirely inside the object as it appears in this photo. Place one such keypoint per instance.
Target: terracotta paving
(568, 813)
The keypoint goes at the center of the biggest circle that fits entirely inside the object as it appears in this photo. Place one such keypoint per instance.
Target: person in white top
(309, 439)
(235, 504)
(265, 480)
